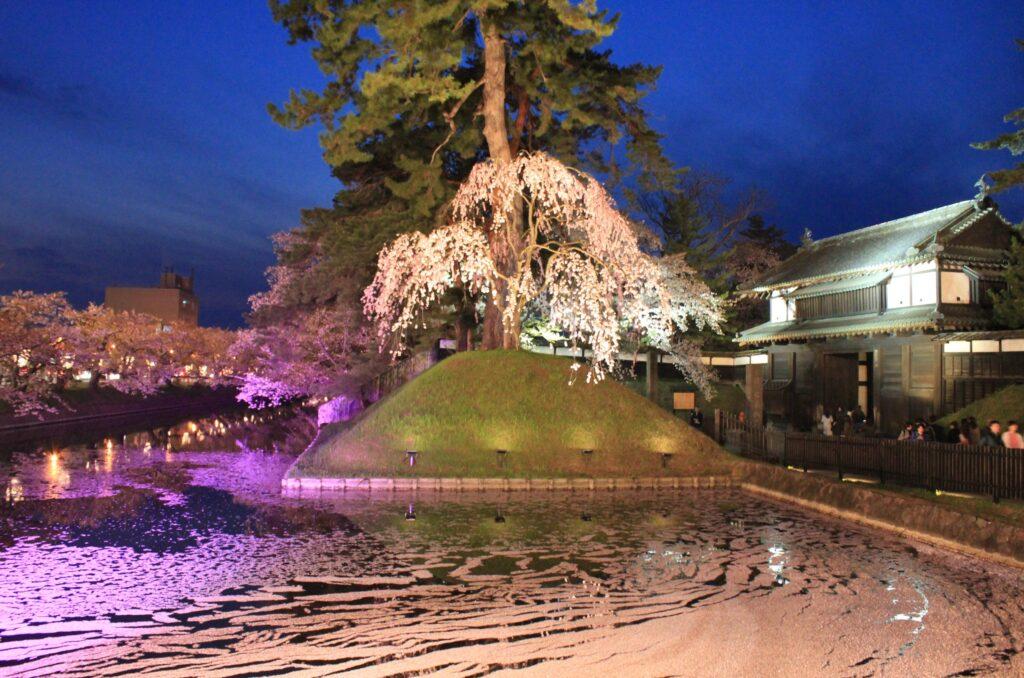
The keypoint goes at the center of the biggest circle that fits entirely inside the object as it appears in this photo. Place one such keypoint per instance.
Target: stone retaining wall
(907, 516)
(509, 484)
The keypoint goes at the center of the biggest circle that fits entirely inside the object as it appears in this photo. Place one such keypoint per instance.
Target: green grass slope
(1004, 405)
(459, 412)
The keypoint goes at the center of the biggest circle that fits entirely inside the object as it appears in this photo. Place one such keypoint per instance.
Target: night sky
(134, 135)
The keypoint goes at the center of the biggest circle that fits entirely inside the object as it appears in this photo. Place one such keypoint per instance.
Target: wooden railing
(992, 471)
(396, 375)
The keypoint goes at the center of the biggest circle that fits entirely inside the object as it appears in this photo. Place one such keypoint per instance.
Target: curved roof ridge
(905, 220)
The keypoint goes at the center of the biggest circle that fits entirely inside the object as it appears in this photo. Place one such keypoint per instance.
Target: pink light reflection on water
(151, 568)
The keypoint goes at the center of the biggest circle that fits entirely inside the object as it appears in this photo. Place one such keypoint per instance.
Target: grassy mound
(1004, 405)
(459, 412)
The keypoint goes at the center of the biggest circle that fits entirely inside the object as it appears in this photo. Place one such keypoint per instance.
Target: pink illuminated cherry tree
(312, 353)
(45, 345)
(35, 335)
(533, 234)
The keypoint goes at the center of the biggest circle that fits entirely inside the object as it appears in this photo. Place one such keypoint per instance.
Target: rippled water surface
(178, 554)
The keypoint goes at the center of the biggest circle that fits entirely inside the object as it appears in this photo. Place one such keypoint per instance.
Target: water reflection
(155, 555)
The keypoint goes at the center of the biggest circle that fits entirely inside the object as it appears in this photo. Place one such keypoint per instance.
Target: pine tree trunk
(495, 334)
(463, 334)
(495, 123)
(494, 328)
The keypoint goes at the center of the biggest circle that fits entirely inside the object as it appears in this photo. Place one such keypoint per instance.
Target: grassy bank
(82, 400)
(459, 412)
(1005, 405)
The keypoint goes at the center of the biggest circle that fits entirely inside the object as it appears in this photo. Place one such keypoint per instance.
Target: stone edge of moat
(509, 484)
(909, 517)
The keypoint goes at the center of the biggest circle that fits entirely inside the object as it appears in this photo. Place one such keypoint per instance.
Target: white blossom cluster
(534, 231)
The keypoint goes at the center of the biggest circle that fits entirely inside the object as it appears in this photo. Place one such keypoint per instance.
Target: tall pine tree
(1012, 142)
(419, 90)
(1008, 303)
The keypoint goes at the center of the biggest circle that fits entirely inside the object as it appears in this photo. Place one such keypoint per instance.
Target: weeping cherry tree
(535, 234)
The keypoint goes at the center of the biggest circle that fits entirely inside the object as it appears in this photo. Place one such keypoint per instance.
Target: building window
(781, 309)
(922, 288)
(897, 292)
(907, 288)
(956, 287)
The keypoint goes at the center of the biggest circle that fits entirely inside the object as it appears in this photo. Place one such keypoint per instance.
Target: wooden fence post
(992, 474)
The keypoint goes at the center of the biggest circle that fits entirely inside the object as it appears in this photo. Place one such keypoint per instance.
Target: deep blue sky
(134, 135)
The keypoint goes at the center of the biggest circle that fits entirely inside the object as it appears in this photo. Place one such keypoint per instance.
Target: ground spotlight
(410, 457)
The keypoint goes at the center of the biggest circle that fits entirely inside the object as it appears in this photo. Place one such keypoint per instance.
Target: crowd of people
(842, 422)
(968, 432)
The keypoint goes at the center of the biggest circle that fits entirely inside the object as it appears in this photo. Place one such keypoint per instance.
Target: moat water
(175, 552)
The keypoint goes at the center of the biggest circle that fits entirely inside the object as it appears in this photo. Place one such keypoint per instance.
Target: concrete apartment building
(173, 301)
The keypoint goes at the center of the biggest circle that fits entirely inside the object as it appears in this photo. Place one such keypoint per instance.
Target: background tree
(1008, 303)
(47, 344)
(725, 240)
(316, 353)
(35, 333)
(1012, 142)
(757, 250)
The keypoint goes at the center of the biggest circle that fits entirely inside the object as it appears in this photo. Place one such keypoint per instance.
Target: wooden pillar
(652, 375)
(876, 389)
(819, 382)
(754, 387)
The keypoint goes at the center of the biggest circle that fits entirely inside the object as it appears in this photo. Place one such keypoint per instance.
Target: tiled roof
(952, 317)
(983, 334)
(875, 248)
(842, 285)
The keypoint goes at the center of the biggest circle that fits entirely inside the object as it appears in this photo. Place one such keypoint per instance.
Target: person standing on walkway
(1012, 439)
(858, 417)
(841, 424)
(992, 437)
(907, 433)
(935, 428)
(922, 433)
(973, 431)
(826, 423)
(697, 418)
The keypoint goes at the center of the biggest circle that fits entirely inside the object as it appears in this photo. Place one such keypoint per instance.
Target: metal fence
(993, 471)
